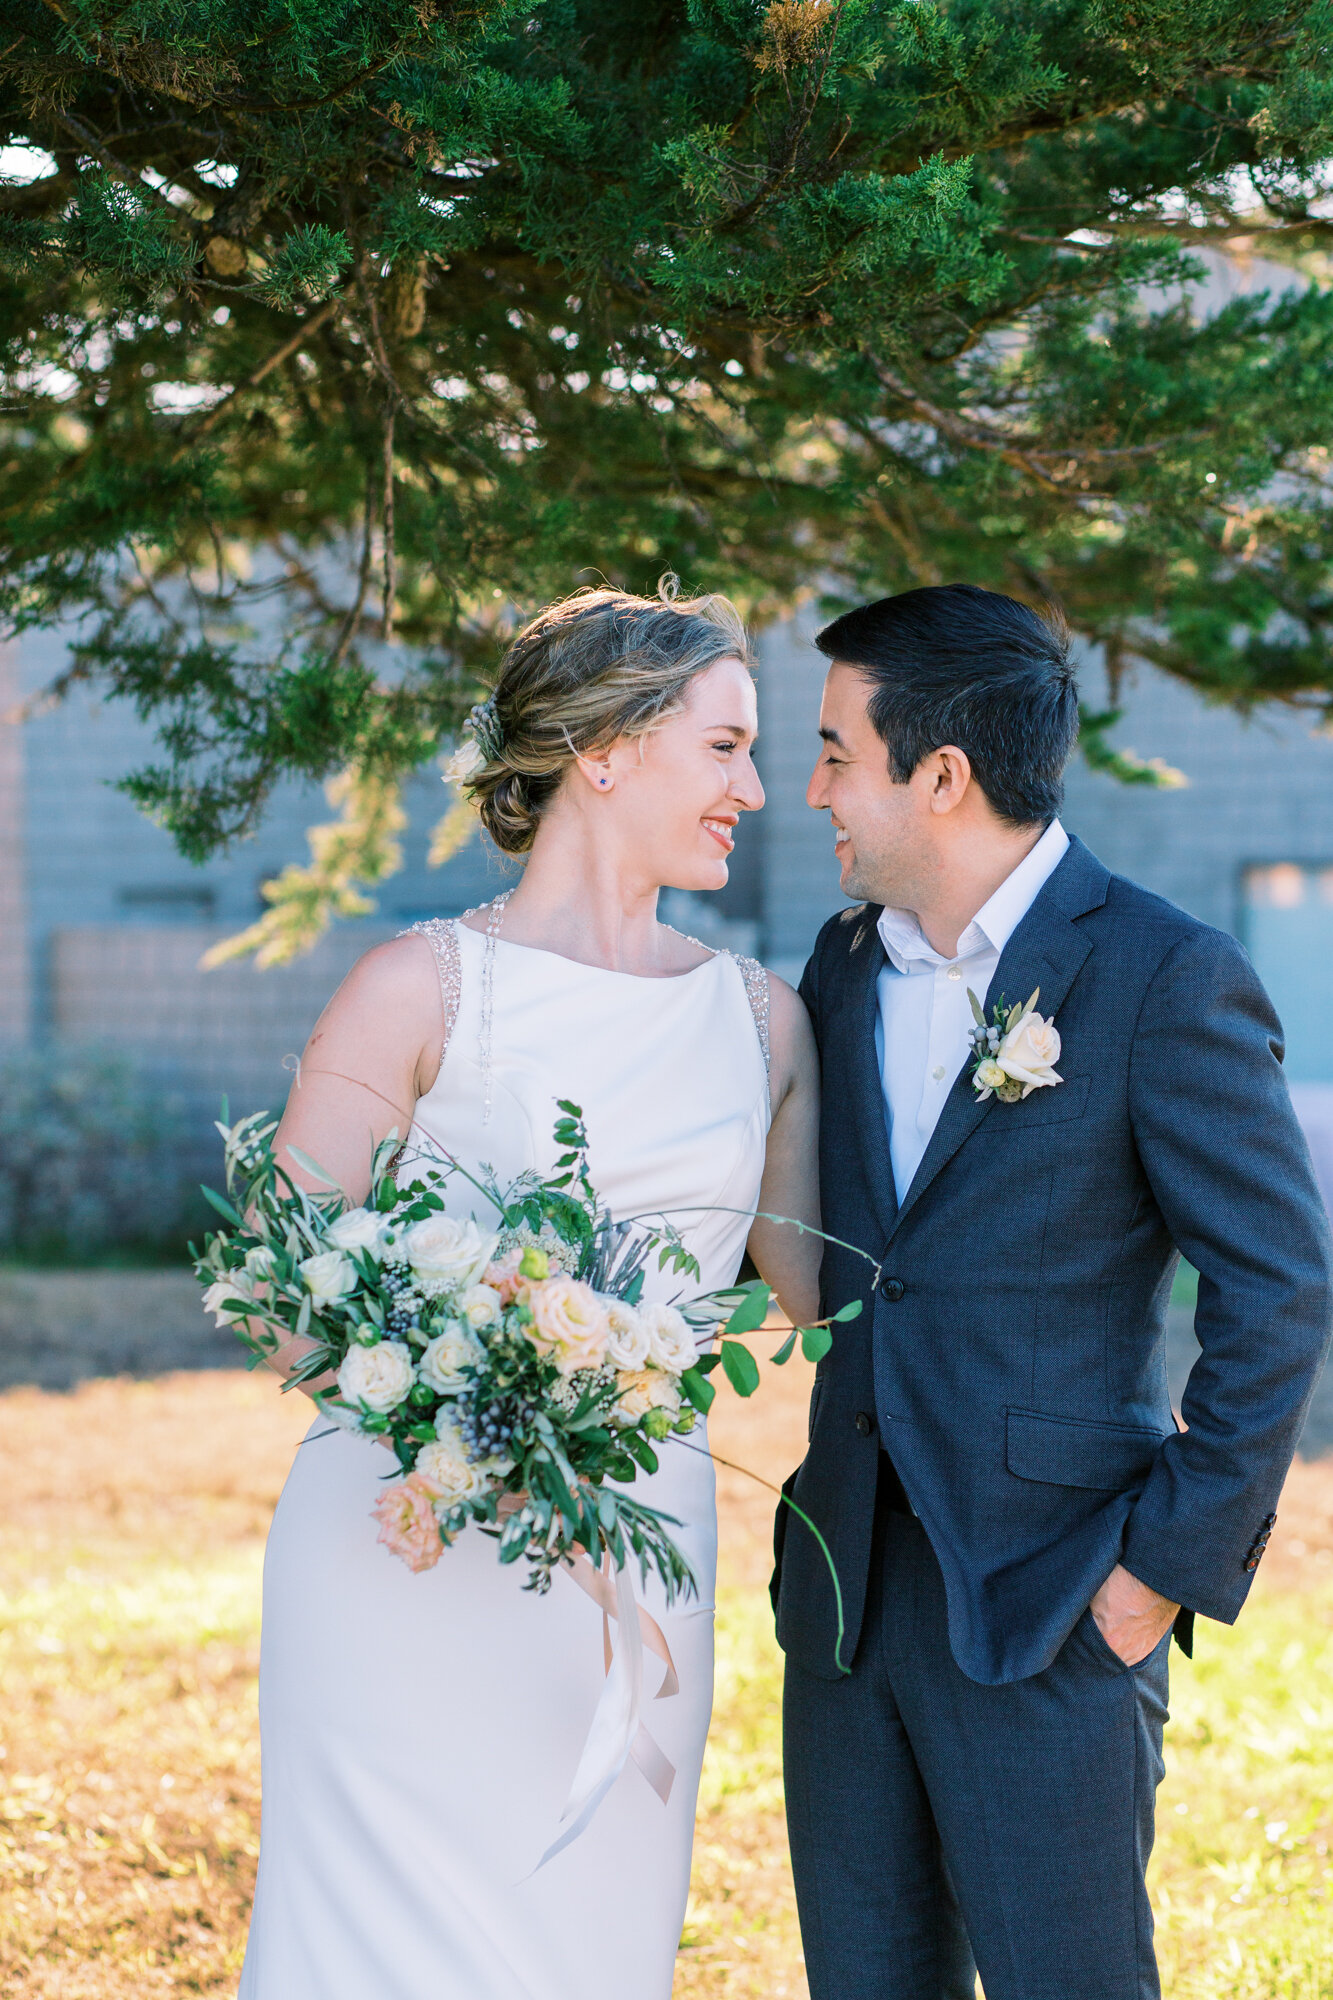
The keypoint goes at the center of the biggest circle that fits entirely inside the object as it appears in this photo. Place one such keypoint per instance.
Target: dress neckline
(607, 971)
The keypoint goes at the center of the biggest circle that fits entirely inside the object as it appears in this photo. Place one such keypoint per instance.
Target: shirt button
(938, 1074)
(954, 972)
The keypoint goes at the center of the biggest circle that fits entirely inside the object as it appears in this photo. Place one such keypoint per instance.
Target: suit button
(1252, 1562)
(892, 1289)
(864, 1424)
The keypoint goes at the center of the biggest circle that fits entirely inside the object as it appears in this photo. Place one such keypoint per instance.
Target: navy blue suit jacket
(1011, 1357)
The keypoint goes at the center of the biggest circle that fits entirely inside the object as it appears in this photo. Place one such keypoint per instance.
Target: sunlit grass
(129, 1783)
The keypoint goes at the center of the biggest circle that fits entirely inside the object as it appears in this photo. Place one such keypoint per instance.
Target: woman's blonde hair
(594, 667)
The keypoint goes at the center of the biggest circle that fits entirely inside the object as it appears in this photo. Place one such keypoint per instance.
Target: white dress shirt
(921, 1035)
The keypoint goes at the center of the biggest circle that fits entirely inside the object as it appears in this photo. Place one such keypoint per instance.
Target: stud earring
(603, 782)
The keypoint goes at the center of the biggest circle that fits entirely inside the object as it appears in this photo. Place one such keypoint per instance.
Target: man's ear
(949, 774)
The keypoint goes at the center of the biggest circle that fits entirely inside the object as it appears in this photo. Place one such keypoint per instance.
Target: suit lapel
(1046, 950)
(867, 1092)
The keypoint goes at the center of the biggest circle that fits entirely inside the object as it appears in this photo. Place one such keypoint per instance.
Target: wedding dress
(420, 1732)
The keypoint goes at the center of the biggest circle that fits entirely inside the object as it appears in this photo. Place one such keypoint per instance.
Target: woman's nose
(748, 791)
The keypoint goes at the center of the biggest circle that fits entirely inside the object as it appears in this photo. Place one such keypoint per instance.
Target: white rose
(672, 1341)
(379, 1376)
(480, 1305)
(444, 1358)
(447, 1254)
(329, 1277)
(358, 1229)
(237, 1286)
(259, 1261)
(1029, 1053)
(448, 1470)
(465, 763)
(627, 1342)
(643, 1389)
(989, 1075)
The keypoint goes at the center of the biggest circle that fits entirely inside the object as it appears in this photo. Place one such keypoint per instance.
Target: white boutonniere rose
(1015, 1052)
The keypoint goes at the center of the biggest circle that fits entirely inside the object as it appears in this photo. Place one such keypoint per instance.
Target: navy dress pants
(935, 1822)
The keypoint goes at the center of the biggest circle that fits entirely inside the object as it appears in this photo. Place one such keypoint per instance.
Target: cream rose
(358, 1229)
(1029, 1053)
(672, 1341)
(480, 1304)
(627, 1339)
(569, 1323)
(444, 1358)
(330, 1276)
(447, 1470)
(379, 1377)
(238, 1286)
(642, 1389)
(446, 1253)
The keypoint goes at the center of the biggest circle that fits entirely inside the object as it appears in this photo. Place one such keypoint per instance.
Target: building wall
(102, 924)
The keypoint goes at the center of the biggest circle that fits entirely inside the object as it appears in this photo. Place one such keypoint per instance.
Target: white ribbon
(617, 1733)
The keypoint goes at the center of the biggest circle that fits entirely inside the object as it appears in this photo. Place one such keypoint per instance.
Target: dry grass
(128, 1650)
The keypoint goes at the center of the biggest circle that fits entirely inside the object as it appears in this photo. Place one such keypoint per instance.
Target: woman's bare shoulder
(390, 995)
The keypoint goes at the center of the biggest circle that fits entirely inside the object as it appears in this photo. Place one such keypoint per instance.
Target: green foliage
(335, 339)
(90, 1158)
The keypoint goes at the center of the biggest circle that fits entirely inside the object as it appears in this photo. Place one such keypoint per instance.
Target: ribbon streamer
(617, 1734)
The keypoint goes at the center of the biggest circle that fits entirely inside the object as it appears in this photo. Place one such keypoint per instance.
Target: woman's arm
(373, 1052)
(786, 1258)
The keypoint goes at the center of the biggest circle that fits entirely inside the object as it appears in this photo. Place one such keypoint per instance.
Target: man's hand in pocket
(1131, 1617)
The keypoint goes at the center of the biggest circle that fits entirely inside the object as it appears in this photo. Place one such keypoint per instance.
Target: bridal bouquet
(511, 1371)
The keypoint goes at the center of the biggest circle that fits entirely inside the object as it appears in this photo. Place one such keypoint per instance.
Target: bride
(421, 1732)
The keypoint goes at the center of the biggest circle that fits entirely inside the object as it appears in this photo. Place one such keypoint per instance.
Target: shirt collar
(994, 923)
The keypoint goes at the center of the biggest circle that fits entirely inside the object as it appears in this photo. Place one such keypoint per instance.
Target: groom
(1016, 1523)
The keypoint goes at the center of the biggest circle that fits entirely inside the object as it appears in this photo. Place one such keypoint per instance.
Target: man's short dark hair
(954, 664)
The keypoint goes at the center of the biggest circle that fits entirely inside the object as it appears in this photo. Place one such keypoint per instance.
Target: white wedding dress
(420, 1732)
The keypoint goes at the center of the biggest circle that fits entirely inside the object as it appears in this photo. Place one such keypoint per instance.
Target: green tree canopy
(326, 327)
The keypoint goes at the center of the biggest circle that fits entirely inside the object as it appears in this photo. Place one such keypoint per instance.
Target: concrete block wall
(800, 874)
(199, 1036)
(1259, 791)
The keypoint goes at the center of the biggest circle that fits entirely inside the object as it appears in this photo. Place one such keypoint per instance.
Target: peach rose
(569, 1323)
(405, 1511)
(640, 1390)
(504, 1277)
(1029, 1053)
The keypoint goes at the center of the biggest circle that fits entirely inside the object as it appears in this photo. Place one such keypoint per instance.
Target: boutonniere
(1015, 1052)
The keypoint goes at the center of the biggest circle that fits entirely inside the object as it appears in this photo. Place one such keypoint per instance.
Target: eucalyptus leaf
(741, 1368)
(784, 1353)
(815, 1342)
(752, 1310)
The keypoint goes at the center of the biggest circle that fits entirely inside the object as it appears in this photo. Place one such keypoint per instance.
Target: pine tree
(336, 338)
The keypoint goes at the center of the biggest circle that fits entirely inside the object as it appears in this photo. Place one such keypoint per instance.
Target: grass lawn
(130, 1551)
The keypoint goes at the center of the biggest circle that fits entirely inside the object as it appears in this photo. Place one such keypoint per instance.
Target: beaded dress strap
(757, 993)
(441, 933)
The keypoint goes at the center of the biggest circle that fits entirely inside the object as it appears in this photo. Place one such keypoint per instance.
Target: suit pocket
(1052, 1105)
(1062, 1451)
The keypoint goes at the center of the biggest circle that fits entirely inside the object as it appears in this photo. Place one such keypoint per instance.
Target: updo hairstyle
(593, 668)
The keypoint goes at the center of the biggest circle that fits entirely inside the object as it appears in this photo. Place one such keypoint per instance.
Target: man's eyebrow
(832, 736)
